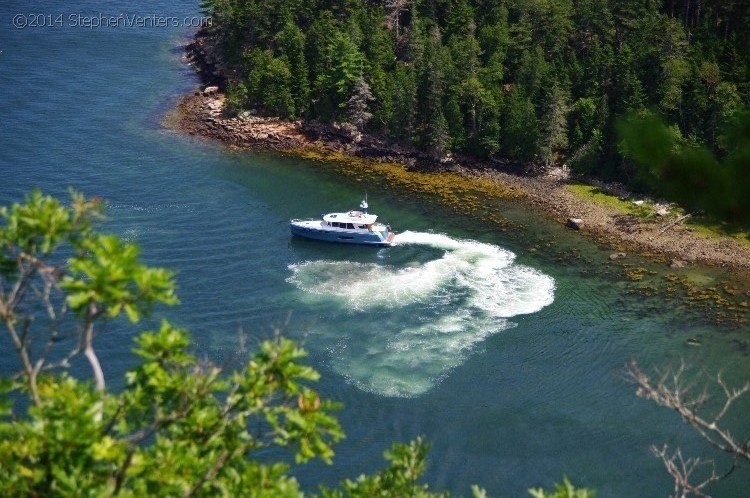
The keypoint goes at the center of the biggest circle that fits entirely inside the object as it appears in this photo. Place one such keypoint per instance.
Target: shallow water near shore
(503, 343)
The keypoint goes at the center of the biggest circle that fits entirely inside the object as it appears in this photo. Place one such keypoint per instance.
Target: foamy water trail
(405, 327)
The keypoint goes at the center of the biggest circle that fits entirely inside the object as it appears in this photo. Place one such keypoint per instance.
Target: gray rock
(677, 263)
(617, 255)
(210, 90)
(661, 211)
(574, 223)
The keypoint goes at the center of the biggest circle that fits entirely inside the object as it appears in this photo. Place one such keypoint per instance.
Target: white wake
(406, 327)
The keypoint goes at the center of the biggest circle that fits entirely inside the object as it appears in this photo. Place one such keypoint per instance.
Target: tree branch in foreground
(672, 390)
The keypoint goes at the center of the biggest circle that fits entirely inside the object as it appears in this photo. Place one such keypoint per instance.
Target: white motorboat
(352, 227)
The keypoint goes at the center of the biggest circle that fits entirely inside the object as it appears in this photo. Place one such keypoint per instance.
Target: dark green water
(510, 366)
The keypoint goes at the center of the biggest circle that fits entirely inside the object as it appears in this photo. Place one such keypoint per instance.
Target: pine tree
(460, 19)
(292, 46)
(358, 107)
(346, 63)
(627, 88)
(415, 41)
(269, 83)
(555, 123)
(520, 127)
(434, 136)
(317, 40)
(403, 90)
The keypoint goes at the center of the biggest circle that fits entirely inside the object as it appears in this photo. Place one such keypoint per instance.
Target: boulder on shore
(210, 90)
(677, 263)
(617, 255)
(574, 223)
(661, 210)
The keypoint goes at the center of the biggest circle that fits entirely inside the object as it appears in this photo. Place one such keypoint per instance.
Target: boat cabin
(353, 220)
(352, 227)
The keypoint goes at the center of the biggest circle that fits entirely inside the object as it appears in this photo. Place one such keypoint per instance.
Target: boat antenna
(363, 204)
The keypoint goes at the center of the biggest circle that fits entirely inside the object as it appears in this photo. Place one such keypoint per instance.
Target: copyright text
(101, 20)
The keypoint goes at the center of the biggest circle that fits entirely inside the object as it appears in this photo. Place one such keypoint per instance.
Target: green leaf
(133, 314)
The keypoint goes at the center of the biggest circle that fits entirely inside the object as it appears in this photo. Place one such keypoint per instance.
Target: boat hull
(314, 230)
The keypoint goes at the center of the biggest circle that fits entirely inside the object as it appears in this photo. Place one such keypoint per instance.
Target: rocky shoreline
(663, 236)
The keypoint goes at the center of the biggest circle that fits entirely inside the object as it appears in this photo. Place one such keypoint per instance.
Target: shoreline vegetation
(607, 212)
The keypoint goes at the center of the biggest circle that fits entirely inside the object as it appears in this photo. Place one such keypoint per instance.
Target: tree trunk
(95, 367)
(88, 347)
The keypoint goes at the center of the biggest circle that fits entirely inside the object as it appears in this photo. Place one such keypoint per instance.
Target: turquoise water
(504, 348)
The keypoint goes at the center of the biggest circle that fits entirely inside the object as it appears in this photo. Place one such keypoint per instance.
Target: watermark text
(33, 20)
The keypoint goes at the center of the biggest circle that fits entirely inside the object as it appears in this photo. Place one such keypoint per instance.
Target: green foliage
(434, 135)
(507, 78)
(42, 224)
(401, 478)
(564, 490)
(236, 98)
(588, 157)
(520, 130)
(292, 47)
(676, 71)
(691, 173)
(60, 448)
(196, 417)
(583, 121)
(180, 426)
(403, 90)
(344, 70)
(52, 261)
(477, 106)
(106, 274)
(554, 132)
(269, 83)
